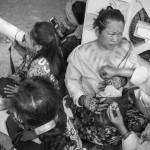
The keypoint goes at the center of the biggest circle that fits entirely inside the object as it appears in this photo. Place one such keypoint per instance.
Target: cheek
(106, 39)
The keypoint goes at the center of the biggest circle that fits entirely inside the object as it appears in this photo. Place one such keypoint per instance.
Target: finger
(98, 112)
(91, 95)
(103, 75)
(11, 87)
(102, 84)
(102, 100)
(108, 113)
(65, 25)
(102, 89)
(59, 32)
(111, 113)
(10, 95)
(118, 112)
(8, 89)
(102, 105)
(8, 92)
(101, 109)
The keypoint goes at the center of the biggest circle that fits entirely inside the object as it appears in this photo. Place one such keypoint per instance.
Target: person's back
(75, 14)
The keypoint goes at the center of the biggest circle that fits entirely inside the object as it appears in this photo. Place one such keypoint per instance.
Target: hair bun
(109, 8)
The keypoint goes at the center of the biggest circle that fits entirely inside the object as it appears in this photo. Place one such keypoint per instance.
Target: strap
(11, 61)
(24, 136)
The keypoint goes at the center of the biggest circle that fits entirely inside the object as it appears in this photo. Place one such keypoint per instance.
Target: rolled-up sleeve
(141, 78)
(132, 142)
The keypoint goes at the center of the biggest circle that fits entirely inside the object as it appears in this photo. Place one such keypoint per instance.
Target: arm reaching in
(109, 71)
(130, 140)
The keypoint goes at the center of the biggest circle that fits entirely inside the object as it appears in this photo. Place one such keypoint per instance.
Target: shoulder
(82, 52)
(86, 47)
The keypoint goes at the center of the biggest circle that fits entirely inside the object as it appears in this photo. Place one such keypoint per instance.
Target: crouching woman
(40, 120)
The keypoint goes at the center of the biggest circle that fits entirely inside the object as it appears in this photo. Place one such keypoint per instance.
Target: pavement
(23, 14)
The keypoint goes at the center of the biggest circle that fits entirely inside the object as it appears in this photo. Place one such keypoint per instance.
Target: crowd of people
(71, 96)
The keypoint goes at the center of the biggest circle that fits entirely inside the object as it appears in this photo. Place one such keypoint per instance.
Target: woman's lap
(106, 135)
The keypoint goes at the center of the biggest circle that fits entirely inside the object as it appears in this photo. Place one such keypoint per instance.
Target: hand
(62, 21)
(116, 118)
(11, 90)
(94, 104)
(102, 85)
(116, 81)
(107, 72)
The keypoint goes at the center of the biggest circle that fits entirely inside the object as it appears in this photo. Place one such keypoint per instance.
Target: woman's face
(111, 35)
(31, 44)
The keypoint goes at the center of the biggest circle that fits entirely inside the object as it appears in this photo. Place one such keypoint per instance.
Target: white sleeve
(141, 78)
(73, 82)
(131, 142)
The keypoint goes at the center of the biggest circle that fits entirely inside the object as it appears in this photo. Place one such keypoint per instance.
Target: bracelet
(124, 136)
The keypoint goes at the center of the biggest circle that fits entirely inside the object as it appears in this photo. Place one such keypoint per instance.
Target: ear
(38, 47)
(97, 31)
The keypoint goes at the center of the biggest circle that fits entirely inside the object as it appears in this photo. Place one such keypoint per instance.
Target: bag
(122, 104)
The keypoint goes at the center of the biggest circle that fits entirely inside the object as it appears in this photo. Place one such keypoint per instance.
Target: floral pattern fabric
(105, 133)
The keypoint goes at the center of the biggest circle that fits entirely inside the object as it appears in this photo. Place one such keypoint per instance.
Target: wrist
(122, 129)
(126, 72)
(124, 136)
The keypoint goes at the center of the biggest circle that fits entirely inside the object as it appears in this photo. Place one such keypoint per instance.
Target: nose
(115, 38)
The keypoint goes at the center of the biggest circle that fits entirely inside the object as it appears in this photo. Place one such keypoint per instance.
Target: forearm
(125, 72)
(20, 49)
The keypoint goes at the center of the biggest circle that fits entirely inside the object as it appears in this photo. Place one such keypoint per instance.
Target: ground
(23, 14)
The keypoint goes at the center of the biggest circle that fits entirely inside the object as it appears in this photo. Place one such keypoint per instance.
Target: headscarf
(69, 12)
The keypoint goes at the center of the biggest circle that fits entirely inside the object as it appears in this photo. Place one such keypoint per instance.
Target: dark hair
(78, 9)
(45, 35)
(107, 15)
(37, 103)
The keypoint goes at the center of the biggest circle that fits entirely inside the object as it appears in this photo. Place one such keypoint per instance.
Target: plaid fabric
(68, 44)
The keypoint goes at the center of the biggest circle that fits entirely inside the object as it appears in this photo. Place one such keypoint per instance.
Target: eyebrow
(112, 32)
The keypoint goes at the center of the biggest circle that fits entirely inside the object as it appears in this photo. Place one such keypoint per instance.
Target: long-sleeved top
(133, 142)
(82, 75)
